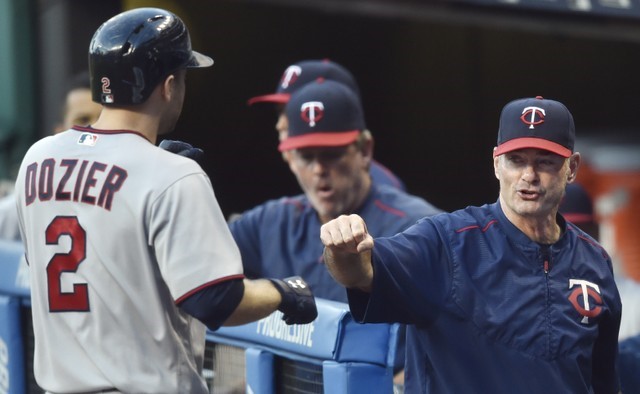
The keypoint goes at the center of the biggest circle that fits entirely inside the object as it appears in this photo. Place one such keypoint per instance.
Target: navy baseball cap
(536, 123)
(301, 73)
(323, 113)
(577, 206)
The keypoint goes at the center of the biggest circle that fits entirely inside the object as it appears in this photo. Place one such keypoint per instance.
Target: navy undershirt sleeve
(214, 304)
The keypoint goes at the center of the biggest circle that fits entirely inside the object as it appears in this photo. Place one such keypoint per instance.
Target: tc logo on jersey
(533, 116)
(586, 291)
(290, 76)
(311, 112)
(87, 139)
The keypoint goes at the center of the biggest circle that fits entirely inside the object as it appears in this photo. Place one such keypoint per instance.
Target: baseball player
(128, 249)
(503, 298)
(301, 73)
(329, 150)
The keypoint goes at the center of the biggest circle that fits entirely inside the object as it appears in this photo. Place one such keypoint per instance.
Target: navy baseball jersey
(491, 311)
(281, 237)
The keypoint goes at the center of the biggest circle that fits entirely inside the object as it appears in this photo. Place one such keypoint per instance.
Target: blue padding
(334, 335)
(259, 371)
(12, 377)
(345, 378)
(14, 272)
(367, 342)
(316, 339)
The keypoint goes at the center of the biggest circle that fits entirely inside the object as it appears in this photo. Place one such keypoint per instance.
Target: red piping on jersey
(292, 201)
(387, 208)
(90, 129)
(484, 229)
(589, 241)
(212, 283)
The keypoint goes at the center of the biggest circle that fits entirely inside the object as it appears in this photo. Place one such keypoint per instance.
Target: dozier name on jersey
(80, 181)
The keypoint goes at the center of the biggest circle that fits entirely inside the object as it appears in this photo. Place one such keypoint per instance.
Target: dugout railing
(333, 354)
(16, 331)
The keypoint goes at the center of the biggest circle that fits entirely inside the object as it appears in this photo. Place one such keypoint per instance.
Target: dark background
(433, 75)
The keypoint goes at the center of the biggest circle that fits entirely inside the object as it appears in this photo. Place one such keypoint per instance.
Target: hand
(346, 234)
(182, 149)
(298, 304)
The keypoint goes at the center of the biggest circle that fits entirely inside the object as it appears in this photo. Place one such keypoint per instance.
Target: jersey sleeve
(412, 278)
(190, 237)
(605, 349)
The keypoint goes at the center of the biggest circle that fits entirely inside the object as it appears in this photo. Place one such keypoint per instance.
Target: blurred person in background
(301, 73)
(77, 110)
(330, 151)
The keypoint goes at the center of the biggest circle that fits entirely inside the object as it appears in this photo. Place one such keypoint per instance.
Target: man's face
(335, 179)
(80, 109)
(532, 181)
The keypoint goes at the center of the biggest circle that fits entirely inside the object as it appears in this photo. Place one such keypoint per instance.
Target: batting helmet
(135, 50)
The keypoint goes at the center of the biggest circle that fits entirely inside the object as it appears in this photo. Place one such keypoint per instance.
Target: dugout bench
(333, 354)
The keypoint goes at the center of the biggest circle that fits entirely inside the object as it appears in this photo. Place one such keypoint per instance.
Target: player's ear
(574, 164)
(496, 163)
(167, 88)
(365, 144)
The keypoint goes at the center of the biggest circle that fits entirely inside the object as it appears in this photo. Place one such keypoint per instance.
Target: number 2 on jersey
(78, 299)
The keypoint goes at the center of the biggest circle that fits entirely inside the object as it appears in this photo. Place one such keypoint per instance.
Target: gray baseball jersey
(117, 231)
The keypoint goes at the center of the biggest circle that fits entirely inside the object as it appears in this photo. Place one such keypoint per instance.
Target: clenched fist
(347, 233)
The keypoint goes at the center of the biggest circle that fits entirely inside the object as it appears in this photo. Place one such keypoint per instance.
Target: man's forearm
(260, 299)
(350, 270)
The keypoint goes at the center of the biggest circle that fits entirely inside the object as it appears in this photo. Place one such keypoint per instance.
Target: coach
(508, 297)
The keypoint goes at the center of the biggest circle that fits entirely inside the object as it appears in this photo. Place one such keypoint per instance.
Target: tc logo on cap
(290, 76)
(533, 116)
(311, 112)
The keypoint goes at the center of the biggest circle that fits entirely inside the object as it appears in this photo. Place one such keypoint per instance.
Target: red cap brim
(275, 98)
(320, 139)
(529, 142)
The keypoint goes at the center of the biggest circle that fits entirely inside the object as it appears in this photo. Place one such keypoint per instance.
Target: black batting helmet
(135, 50)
